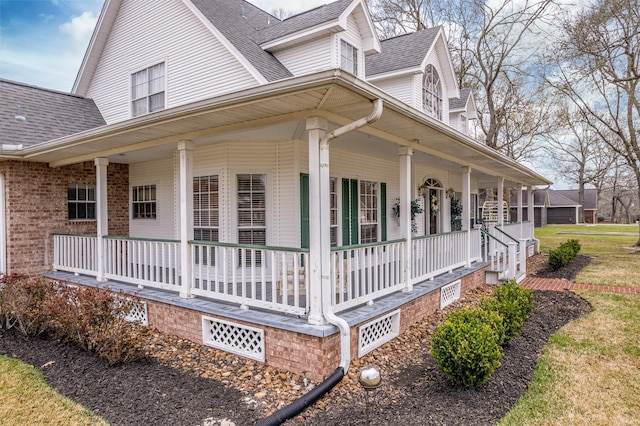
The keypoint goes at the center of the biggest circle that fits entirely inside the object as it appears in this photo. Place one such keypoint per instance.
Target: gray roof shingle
(405, 51)
(590, 197)
(302, 21)
(48, 114)
(239, 21)
(460, 103)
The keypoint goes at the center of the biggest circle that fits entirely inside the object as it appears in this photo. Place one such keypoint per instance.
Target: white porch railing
(273, 278)
(145, 262)
(362, 273)
(495, 252)
(75, 253)
(518, 230)
(436, 254)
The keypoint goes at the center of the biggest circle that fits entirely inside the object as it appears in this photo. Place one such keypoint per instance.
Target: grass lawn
(615, 262)
(589, 374)
(26, 399)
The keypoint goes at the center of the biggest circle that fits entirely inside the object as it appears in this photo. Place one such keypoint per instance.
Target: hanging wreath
(435, 204)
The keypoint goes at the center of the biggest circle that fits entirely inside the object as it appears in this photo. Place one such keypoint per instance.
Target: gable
(320, 22)
(200, 63)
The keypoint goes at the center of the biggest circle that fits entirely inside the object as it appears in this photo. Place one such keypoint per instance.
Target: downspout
(316, 393)
(327, 310)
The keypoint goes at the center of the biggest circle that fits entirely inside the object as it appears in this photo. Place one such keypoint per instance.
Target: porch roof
(276, 112)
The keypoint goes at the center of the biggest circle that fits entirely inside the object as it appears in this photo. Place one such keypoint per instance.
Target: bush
(95, 320)
(24, 303)
(513, 302)
(564, 254)
(91, 318)
(467, 346)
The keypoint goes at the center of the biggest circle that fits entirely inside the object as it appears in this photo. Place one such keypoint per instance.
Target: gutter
(316, 393)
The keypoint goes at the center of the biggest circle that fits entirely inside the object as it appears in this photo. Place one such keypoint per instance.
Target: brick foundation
(313, 356)
(36, 209)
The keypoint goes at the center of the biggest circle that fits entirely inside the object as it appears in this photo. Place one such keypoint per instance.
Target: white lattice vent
(138, 313)
(235, 338)
(449, 293)
(378, 332)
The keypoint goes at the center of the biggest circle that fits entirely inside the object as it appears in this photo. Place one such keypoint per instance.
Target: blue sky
(42, 42)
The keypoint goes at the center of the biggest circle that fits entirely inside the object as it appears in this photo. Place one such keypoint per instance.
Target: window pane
(156, 102)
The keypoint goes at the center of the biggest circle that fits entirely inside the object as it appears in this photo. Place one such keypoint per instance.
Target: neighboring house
(590, 205)
(242, 174)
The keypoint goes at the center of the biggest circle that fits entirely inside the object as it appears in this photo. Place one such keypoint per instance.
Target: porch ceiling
(276, 112)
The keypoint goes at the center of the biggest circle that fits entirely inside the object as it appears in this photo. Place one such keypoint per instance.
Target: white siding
(308, 57)
(353, 37)
(400, 88)
(147, 32)
(160, 174)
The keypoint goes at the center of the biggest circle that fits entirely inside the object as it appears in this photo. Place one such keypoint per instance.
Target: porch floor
(278, 320)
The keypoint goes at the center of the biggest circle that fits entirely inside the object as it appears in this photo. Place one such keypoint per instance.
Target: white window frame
(87, 201)
(148, 203)
(432, 92)
(212, 209)
(148, 92)
(349, 57)
(334, 211)
(369, 212)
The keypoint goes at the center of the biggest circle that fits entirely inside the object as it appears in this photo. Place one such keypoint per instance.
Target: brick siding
(36, 209)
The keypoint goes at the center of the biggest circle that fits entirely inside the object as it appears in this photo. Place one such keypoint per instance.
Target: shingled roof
(48, 114)
(590, 197)
(302, 21)
(404, 51)
(460, 104)
(239, 21)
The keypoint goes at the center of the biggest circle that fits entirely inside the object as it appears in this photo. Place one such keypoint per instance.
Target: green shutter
(346, 207)
(355, 212)
(304, 210)
(383, 211)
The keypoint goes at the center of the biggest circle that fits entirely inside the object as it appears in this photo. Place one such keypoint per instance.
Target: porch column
(466, 210)
(319, 220)
(519, 210)
(404, 154)
(102, 217)
(500, 201)
(531, 212)
(519, 203)
(185, 148)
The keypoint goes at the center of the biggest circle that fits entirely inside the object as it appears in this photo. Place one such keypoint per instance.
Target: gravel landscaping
(182, 383)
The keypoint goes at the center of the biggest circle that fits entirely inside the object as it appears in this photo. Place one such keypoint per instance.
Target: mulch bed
(173, 388)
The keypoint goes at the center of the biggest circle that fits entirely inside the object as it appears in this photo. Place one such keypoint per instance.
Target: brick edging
(557, 284)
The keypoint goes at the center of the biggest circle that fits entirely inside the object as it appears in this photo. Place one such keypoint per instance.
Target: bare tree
(598, 68)
(492, 55)
(578, 153)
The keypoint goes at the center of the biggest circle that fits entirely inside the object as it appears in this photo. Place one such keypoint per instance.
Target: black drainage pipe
(297, 406)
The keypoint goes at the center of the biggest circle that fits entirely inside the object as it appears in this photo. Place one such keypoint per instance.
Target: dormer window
(148, 90)
(432, 93)
(348, 57)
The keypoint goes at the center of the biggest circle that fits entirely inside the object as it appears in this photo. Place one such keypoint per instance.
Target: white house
(243, 175)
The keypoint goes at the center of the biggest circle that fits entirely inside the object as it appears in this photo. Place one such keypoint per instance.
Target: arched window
(432, 93)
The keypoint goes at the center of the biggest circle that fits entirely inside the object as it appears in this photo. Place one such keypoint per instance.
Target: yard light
(369, 378)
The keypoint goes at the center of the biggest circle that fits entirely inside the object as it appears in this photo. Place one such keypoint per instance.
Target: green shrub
(514, 303)
(467, 346)
(24, 303)
(564, 254)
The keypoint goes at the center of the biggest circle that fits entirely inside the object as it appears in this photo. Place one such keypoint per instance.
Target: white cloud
(80, 28)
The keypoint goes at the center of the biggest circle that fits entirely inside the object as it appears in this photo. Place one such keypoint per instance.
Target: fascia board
(302, 36)
(226, 43)
(98, 40)
(396, 73)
